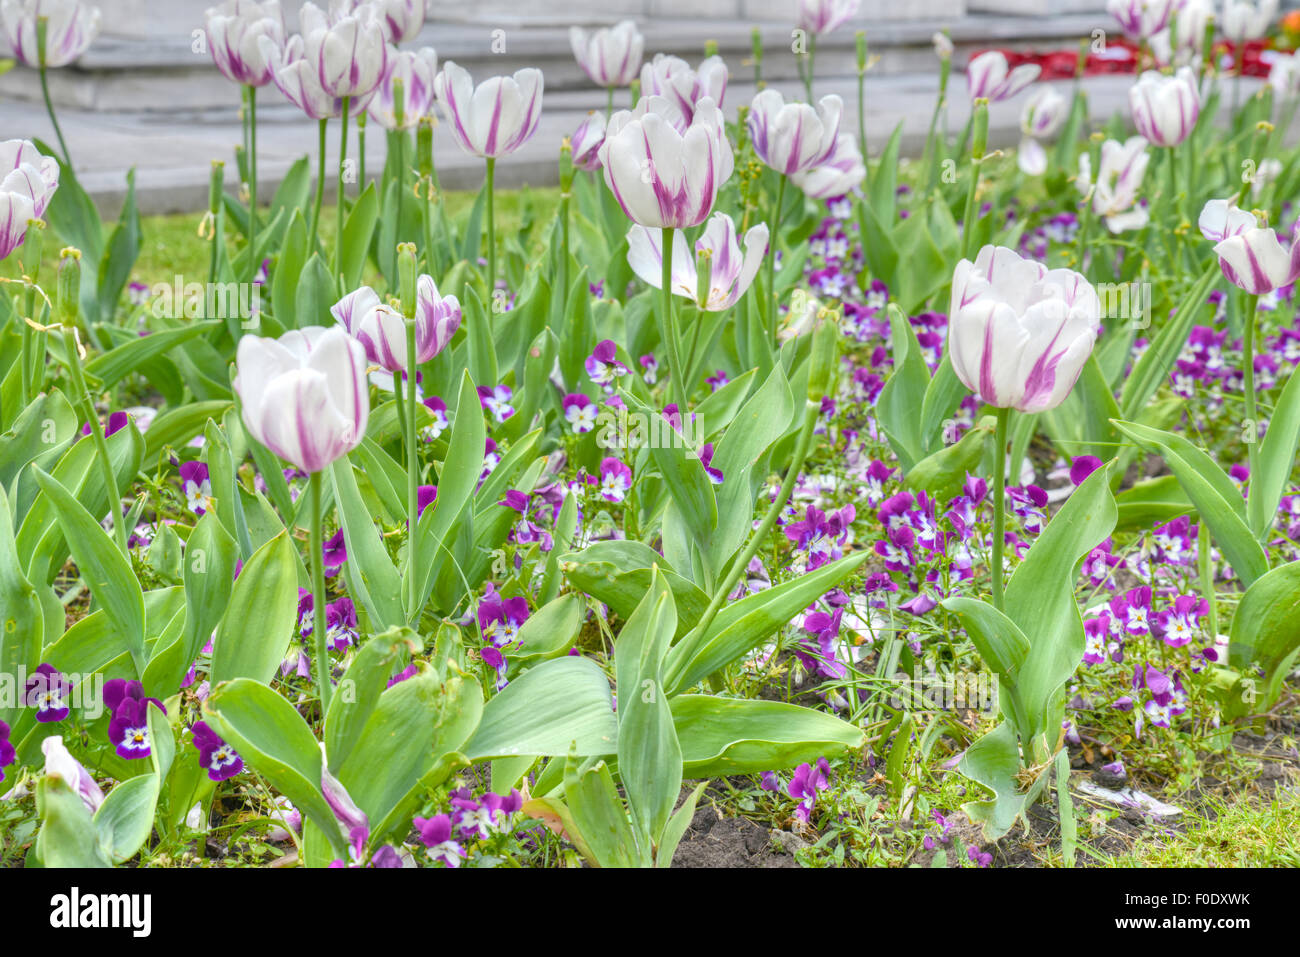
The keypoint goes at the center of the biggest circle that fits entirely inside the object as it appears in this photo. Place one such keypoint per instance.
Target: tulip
(304, 395)
(27, 174)
(990, 77)
(61, 764)
(1114, 196)
(610, 56)
(381, 328)
(663, 171)
(1019, 332)
(1186, 27)
(1246, 20)
(586, 142)
(671, 77)
(793, 137)
(402, 20)
(496, 117)
(1251, 256)
(1284, 76)
(234, 34)
(1019, 335)
(1165, 108)
(841, 173)
(299, 81)
(72, 28)
(820, 17)
(17, 210)
(731, 272)
(1140, 19)
(349, 51)
(416, 73)
(1042, 116)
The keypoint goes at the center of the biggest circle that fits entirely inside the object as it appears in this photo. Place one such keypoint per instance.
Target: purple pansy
(47, 691)
(218, 758)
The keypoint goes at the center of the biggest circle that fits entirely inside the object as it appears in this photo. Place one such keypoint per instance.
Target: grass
(1221, 834)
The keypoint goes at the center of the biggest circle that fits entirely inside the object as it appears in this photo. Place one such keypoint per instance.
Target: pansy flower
(7, 753)
(499, 619)
(496, 400)
(1178, 624)
(129, 728)
(440, 421)
(818, 655)
(197, 487)
(649, 368)
(47, 691)
(340, 624)
(706, 459)
(579, 411)
(603, 366)
(218, 758)
(808, 779)
(435, 835)
(1137, 610)
(425, 496)
(334, 552)
(615, 479)
(483, 817)
(717, 380)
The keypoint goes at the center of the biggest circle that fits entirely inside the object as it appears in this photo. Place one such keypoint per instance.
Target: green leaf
(116, 364)
(1217, 500)
(259, 623)
(21, 625)
(617, 572)
(598, 815)
(1001, 644)
(1159, 357)
(1151, 502)
(40, 434)
(904, 392)
(1276, 458)
(551, 630)
(372, 578)
(274, 739)
(545, 710)
(67, 837)
(1265, 631)
(176, 427)
(676, 829)
(357, 232)
(106, 571)
(725, 736)
(360, 687)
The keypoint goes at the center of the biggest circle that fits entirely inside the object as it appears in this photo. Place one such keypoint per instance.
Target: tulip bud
(32, 249)
(406, 277)
(823, 361)
(566, 165)
(399, 104)
(424, 146)
(862, 52)
(69, 286)
(981, 128)
(756, 45)
(215, 179)
(710, 48)
(703, 274)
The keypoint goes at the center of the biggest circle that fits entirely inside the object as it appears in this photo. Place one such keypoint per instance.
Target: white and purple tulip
(304, 396)
(496, 117)
(823, 16)
(1115, 194)
(60, 763)
(1042, 116)
(610, 56)
(235, 32)
(1251, 256)
(402, 19)
(1245, 20)
(381, 328)
(417, 72)
(1165, 108)
(664, 173)
(1141, 19)
(838, 175)
(793, 137)
(348, 51)
(731, 271)
(298, 79)
(71, 28)
(27, 183)
(990, 76)
(586, 141)
(1020, 333)
(1186, 28)
(672, 77)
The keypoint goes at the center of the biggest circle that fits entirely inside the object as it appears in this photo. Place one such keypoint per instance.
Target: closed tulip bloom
(1251, 256)
(402, 20)
(661, 174)
(235, 32)
(496, 117)
(673, 78)
(1043, 113)
(60, 763)
(71, 28)
(840, 174)
(39, 171)
(417, 73)
(1165, 108)
(731, 271)
(1245, 20)
(1115, 195)
(823, 16)
(1140, 19)
(611, 56)
(1019, 332)
(1186, 28)
(381, 329)
(1284, 75)
(299, 81)
(348, 52)
(304, 396)
(586, 141)
(990, 76)
(793, 137)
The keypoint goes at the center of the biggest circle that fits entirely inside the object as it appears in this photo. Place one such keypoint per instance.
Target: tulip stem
(323, 687)
(968, 217)
(83, 398)
(253, 264)
(489, 184)
(343, 159)
(771, 259)
(412, 466)
(361, 150)
(999, 504)
(1248, 375)
(609, 102)
(676, 374)
(320, 187)
(49, 108)
(811, 413)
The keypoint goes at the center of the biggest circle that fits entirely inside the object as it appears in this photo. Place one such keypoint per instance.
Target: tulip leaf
(1277, 453)
(175, 427)
(617, 572)
(1265, 631)
(550, 631)
(1150, 502)
(559, 702)
(42, 432)
(360, 687)
(105, 570)
(942, 396)
(1001, 644)
(21, 625)
(67, 837)
(598, 815)
(725, 736)
(117, 363)
(904, 392)
(357, 231)
(1217, 500)
(259, 623)
(370, 574)
(273, 738)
